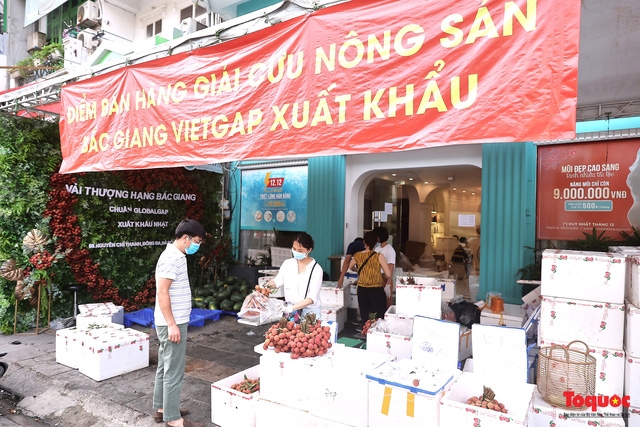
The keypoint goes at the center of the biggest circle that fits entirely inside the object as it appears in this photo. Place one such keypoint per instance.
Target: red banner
(586, 186)
(359, 77)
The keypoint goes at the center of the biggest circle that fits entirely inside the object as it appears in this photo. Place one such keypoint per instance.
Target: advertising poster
(274, 198)
(586, 186)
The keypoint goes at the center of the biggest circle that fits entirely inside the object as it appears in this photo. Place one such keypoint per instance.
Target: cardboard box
(271, 414)
(423, 298)
(632, 380)
(589, 276)
(597, 324)
(114, 353)
(339, 387)
(632, 330)
(544, 414)
(513, 316)
(330, 294)
(609, 366)
(334, 313)
(499, 362)
(230, 407)
(69, 343)
(398, 346)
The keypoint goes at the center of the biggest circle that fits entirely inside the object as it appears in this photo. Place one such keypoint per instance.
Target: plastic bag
(258, 308)
(467, 313)
(447, 312)
(394, 325)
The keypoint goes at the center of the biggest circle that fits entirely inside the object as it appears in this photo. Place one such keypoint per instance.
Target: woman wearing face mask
(301, 277)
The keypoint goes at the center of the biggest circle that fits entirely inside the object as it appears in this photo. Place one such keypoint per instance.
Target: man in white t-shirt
(390, 255)
(172, 312)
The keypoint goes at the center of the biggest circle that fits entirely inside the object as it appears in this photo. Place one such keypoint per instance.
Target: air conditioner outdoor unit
(190, 25)
(89, 14)
(36, 40)
(86, 38)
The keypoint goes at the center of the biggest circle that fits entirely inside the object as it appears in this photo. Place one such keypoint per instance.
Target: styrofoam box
(330, 294)
(99, 308)
(114, 353)
(513, 316)
(316, 421)
(280, 377)
(595, 323)
(422, 299)
(632, 330)
(398, 346)
(632, 380)
(339, 387)
(609, 367)
(394, 400)
(465, 347)
(435, 343)
(633, 419)
(353, 298)
(392, 313)
(582, 275)
(272, 414)
(448, 287)
(533, 297)
(544, 414)
(517, 398)
(69, 343)
(334, 313)
(633, 284)
(230, 407)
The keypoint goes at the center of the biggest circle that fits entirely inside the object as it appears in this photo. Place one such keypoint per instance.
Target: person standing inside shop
(390, 255)
(172, 312)
(369, 264)
(301, 277)
(354, 247)
(459, 267)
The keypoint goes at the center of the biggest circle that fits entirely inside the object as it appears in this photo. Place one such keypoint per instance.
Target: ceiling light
(450, 178)
(454, 188)
(393, 174)
(410, 179)
(426, 182)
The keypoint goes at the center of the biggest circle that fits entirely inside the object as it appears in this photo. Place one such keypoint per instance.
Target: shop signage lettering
(387, 74)
(595, 402)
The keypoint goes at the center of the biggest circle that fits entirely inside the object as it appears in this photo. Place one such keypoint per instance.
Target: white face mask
(298, 255)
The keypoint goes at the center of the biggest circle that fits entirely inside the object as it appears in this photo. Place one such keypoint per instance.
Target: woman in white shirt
(301, 277)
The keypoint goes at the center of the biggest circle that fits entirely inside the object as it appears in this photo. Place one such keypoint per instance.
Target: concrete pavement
(62, 396)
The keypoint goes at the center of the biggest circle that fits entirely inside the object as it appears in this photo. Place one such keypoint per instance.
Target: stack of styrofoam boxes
(339, 387)
(113, 353)
(233, 408)
(500, 363)
(284, 397)
(632, 333)
(334, 303)
(103, 313)
(70, 342)
(409, 392)
(583, 300)
(421, 298)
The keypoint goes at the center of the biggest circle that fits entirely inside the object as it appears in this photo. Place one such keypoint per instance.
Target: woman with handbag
(371, 296)
(301, 277)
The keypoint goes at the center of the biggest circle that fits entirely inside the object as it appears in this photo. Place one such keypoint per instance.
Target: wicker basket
(278, 255)
(562, 369)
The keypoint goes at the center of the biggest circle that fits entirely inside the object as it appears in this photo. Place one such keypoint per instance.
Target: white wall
(361, 168)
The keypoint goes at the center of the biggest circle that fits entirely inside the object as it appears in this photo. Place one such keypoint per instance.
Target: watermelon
(237, 306)
(227, 304)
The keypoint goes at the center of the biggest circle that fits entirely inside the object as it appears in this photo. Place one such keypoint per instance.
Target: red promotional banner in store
(586, 186)
(359, 77)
